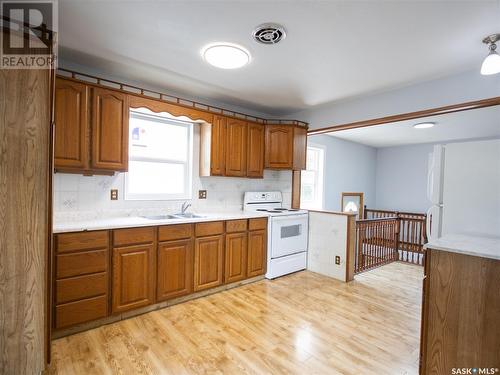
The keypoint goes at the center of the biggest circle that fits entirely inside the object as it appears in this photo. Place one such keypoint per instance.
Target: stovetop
(277, 210)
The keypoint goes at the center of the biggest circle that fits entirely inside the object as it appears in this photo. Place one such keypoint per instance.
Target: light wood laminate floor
(303, 323)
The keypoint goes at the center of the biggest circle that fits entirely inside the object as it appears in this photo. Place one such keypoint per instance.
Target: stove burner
(262, 209)
(281, 209)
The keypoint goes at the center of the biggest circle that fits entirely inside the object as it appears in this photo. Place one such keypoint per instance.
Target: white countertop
(485, 247)
(138, 221)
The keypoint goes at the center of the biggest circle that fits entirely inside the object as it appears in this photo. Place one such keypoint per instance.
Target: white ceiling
(333, 50)
(472, 124)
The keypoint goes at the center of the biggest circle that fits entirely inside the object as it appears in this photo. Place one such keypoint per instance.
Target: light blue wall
(401, 178)
(349, 167)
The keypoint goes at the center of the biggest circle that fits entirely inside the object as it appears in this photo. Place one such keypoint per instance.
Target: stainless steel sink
(188, 215)
(160, 217)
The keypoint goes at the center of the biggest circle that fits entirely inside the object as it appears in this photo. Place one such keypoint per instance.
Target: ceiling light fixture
(424, 125)
(225, 55)
(491, 64)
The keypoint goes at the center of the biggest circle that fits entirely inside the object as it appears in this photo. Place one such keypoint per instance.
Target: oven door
(288, 234)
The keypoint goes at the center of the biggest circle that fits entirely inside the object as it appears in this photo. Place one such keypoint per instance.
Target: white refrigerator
(464, 188)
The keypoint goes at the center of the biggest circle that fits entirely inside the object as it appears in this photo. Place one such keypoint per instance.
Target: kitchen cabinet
(235, 257)
(285, 147)
(208, 262)
(236, 148)
(71, 150)
(175, 269)
(255, 150)
(134, 266)
(218, 146)
(81, 277)
(460, 312)
(91, 129)
(109, 130)
(257, 253)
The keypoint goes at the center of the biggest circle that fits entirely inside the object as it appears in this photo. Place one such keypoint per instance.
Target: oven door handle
(289, 217)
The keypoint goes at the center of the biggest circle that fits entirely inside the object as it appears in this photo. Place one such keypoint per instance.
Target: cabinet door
(109, 130)
(71, 149)
(236, 148)
(236, 257)
(133, 277)
(208, 257)
(218, 146)
(175, 269)
(279, 147)
(299, 148)
(255, 155)
(257, 253)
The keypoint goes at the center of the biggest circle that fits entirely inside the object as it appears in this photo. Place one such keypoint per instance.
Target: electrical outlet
(114, 194)
(337, 259)
(202, 194)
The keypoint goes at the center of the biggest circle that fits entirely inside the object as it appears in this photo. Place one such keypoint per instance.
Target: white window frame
(319, 183)
(188, 175)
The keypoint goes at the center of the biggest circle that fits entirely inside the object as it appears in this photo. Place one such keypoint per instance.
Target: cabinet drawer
(72, 313)
(255, 224)
(209, 229)
(236, 226)
(133, 236)
(67, 242)
(175, 232)
(68, 265)
(80, 287)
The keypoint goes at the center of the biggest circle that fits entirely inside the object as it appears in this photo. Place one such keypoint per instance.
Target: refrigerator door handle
(429, 220)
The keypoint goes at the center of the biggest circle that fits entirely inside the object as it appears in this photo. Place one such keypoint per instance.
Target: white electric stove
(287, 232)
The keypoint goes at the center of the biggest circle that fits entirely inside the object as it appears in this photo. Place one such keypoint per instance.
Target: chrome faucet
(185, 206)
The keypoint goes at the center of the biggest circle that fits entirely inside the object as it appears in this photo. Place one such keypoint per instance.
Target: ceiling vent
(269, 33)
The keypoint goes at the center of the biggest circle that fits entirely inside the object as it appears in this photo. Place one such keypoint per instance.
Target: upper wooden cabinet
(255, 150)
(91, 128)
(236, 148)
(109, 130)
(218, 146)
(285, 147)
(71, 125)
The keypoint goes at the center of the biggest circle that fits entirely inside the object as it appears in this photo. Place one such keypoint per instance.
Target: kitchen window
(311, 190)
(160, 158)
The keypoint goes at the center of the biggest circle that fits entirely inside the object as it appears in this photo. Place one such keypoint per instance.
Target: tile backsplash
(87, 197)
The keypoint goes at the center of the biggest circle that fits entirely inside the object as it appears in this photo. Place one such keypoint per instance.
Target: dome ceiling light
(225, 55)
(491, 64)
(424, 125)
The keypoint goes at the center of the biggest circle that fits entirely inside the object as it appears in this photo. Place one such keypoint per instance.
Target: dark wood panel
(236, 148)
(258, 223)
(462, 309)
(209, 228)
(109, 130)
(69, 265)
(71, 125)
(133, 236)
(80, 241)
(235, 257)
(81, 287)
(208, 262)
(175, 269)
(257, 253)
(82, 311)
(236, 225)
(255, 156)
(175, 232)
(133, 277)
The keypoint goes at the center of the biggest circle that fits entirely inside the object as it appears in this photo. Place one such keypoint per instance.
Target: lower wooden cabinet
(175, 269)
(133, 277)
(257, 253)
(236, 257)
(208, 262)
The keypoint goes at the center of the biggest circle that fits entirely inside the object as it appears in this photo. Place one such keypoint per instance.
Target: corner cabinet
(285, 147)
(91, 129)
